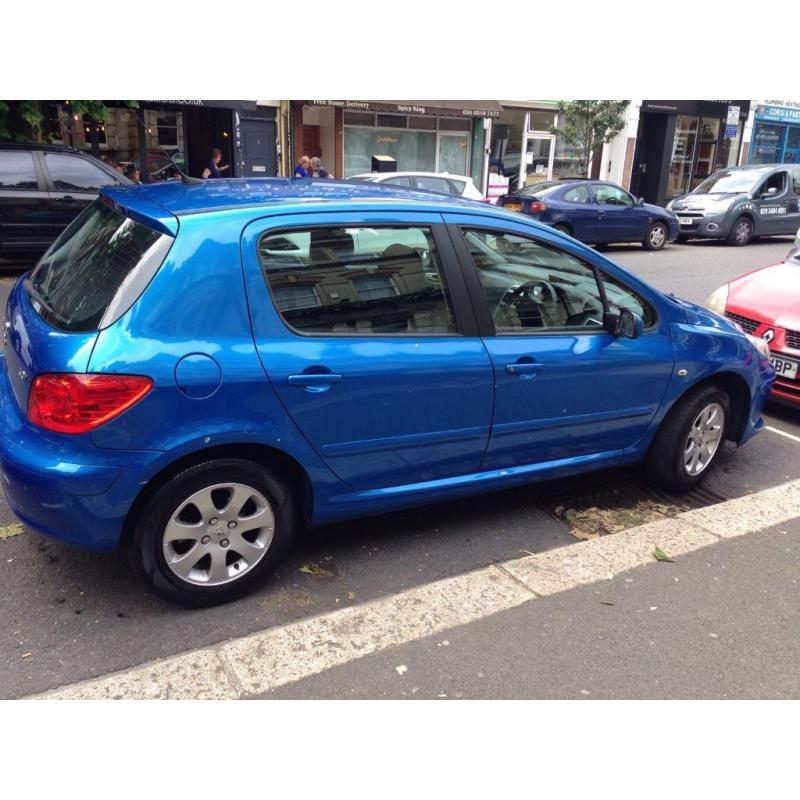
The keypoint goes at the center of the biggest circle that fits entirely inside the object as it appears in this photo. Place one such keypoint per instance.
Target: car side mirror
(640, 201)
(628, 325)
(770, 192)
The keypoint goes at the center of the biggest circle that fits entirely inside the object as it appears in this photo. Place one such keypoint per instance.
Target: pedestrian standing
(213, 168)
(318, 170)
(303, 168)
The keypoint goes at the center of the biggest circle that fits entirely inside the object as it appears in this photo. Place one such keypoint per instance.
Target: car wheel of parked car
(563, 229)
(211, 532)
(741, 232)
(689, 439)
(656, 236)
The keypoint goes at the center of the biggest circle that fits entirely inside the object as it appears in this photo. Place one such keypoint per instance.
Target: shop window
(791, 153)
(422, 123)
(506, 145)
(683, 147)
(357, 118)
(450, 124)
(568, 161)
(541, 121)
(359, 281)
(414, 151)
(767, 144)
(392, 121)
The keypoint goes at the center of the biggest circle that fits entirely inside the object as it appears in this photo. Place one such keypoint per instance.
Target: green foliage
(586, 124)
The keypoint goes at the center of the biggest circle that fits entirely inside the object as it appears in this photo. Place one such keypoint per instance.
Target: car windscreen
(728, 181)
(543, 188)
(96, 269)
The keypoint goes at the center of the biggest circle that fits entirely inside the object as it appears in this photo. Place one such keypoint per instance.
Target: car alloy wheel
(218, 534)
(657, 236)
(703, 439)
(742, 231)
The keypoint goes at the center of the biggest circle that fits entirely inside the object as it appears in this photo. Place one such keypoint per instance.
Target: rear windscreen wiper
(39, 297)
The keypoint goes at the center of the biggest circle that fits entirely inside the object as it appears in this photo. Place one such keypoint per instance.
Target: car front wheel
(741, 232)
(212, 532)
(690, 439)
(656, 237)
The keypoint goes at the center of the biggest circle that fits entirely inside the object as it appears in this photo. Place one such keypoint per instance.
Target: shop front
(148, 139)
(525, 149)
(681, 142)
(776, 135)
(420, 135)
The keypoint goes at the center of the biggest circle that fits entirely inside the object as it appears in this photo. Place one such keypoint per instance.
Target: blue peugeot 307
(195, 372)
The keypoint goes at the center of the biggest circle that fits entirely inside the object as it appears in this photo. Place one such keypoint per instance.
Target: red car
(766, 303)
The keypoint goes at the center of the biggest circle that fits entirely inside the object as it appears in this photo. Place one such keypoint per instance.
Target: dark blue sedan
(594, 212)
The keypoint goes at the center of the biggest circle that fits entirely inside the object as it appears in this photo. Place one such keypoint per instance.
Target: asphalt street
(68, 615)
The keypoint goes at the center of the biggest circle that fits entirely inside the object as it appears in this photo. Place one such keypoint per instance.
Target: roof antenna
(186, 180)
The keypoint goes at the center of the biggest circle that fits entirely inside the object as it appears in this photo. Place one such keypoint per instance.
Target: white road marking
(263, 661)
(782, 433)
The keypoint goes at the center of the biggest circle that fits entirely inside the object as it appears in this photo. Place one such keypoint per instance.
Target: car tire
(562, 229)
(206, 500)
(656, 237)
(741, 232)
(690, 439)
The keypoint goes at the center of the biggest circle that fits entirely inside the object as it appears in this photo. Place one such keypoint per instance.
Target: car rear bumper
(64, 488)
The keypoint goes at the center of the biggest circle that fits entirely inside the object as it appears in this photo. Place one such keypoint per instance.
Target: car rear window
(96, 269)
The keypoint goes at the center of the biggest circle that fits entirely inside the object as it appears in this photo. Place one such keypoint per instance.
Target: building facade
(775, 133)
(150, 135)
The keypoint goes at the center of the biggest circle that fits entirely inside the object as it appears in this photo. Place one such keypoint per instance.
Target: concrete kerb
(265, 660)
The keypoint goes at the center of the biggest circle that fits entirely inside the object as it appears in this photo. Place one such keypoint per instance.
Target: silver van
(738, 203)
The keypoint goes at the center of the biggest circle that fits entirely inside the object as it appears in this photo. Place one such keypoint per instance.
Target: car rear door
(24, 204)
(365, 332)
(564, 386)
(73, 182)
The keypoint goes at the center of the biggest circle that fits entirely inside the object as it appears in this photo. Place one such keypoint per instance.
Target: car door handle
(524, 368)
(314, 379)
(67, 198)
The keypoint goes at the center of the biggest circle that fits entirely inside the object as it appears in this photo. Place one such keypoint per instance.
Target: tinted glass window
(611, 195)
(578, 194)
(80, 276)
(434, 184)
(776, 182)
(402, 180)
(543, 188)
(75, 174)
(16, 170)
(620, 297)
(458, 186)
(531, 287)
(360, 281)
(796, 181)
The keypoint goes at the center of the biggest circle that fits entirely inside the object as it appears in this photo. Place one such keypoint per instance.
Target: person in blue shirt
(303, 167)
(213, 169)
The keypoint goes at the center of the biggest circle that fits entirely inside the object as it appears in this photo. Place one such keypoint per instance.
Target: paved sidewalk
(720, 622)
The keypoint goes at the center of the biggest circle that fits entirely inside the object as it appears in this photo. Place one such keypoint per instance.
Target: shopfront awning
(434, 108)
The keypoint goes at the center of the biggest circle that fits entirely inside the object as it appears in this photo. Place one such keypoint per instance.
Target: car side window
(362, 281)
(17, 170)
(75, 174)
(402, 180)
(612, 195)
(776, 182)
(532, 287)
(619, 297)
(434, 184)
(578, 194)
(796, 181)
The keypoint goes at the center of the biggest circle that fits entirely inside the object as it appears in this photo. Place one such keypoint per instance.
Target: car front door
(74, 182)
(565, 386)
(773, 199)
(24, 205)
(365, 331)
(618, 217)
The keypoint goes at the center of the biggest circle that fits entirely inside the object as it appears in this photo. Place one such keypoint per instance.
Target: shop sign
(732, 122)
(778, 114)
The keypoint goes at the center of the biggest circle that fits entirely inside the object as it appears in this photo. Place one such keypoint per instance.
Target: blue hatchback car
(195, 372)
(596, 212)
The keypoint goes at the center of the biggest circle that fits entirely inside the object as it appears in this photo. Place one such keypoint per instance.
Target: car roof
(162, 202)
(377, 175)
(35, 146)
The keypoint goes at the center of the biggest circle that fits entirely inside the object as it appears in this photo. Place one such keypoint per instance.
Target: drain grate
(614, 507)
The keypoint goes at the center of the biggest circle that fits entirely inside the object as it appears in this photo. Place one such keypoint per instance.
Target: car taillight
(70, 402)
(536, 207)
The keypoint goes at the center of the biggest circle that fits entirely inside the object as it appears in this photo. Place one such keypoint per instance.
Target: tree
(588, 124)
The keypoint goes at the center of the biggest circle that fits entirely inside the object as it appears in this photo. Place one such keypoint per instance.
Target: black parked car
(42, 189)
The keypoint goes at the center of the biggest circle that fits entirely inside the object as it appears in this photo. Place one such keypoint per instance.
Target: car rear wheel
(656, 237)
(741, 232)
(562, 229)
(211, 533)
(690, 439)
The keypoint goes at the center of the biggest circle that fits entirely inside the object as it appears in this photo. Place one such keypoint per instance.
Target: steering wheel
(533, 293)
